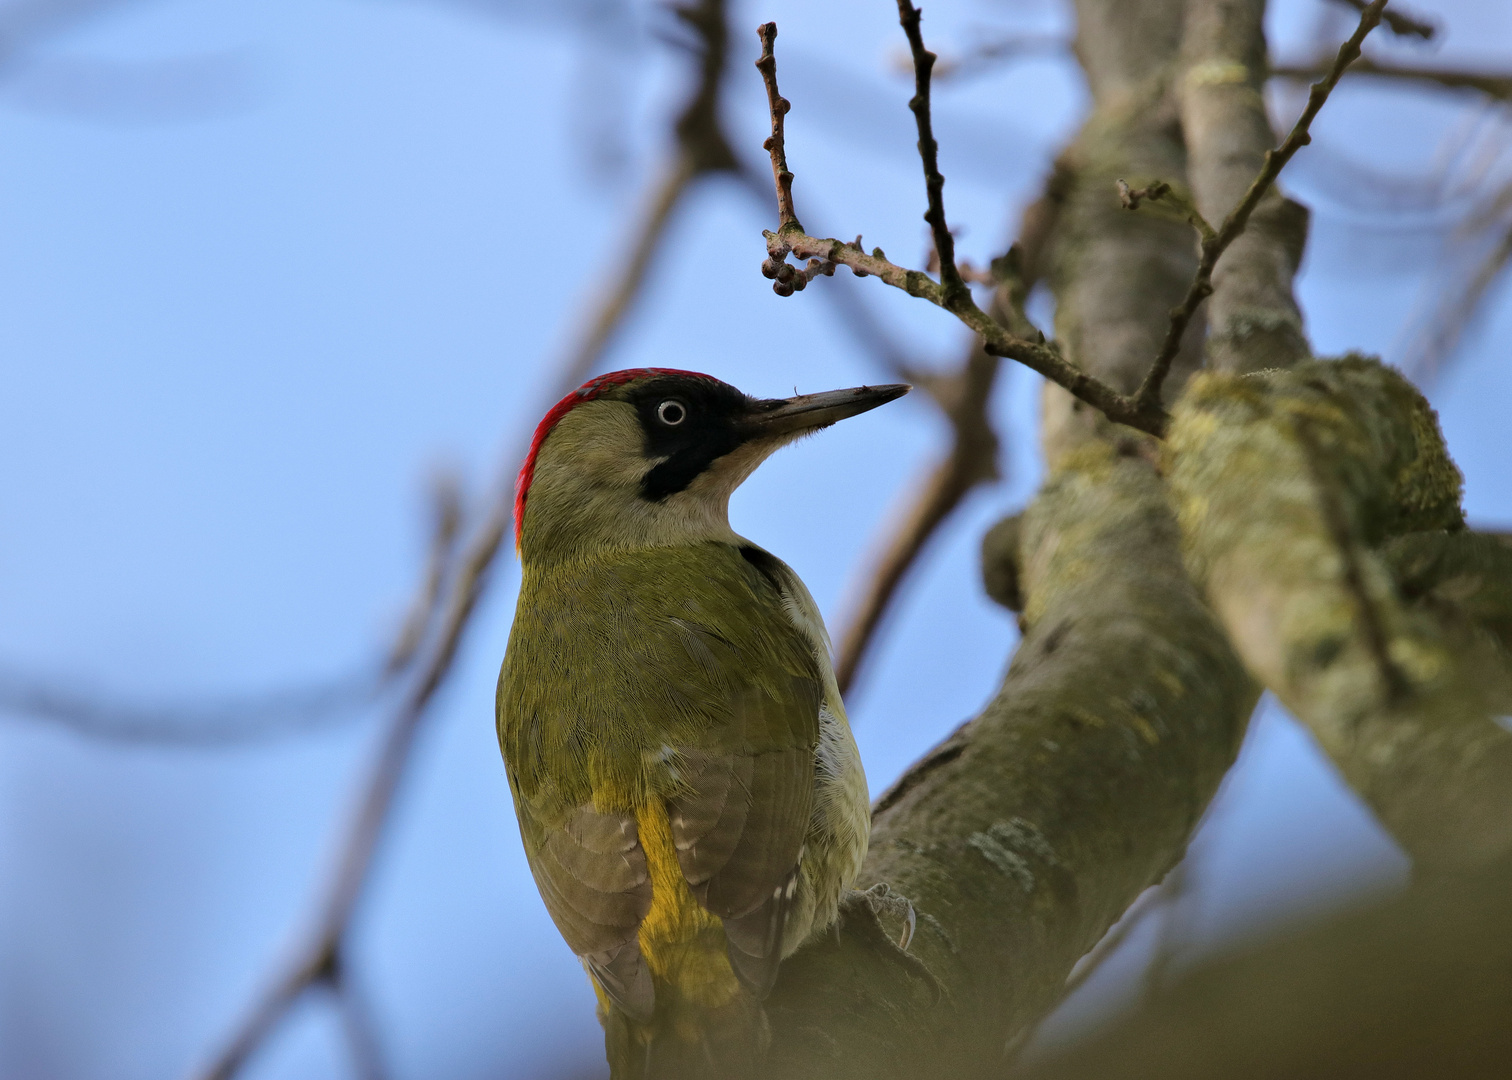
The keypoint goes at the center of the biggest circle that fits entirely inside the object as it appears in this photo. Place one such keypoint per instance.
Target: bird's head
(649, 457)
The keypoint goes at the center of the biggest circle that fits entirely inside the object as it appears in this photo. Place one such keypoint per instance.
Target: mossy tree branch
(1120, 714)
(1321, 511)
(1121, 711)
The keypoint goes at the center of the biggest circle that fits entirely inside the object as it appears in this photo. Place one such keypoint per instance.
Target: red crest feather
(587, 392)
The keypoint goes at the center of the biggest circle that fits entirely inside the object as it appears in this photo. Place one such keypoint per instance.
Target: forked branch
(823, 254)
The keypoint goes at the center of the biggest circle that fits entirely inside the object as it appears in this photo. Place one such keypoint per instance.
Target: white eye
(672, 412)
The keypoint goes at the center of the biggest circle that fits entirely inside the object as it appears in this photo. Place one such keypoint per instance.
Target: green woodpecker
(688, 791)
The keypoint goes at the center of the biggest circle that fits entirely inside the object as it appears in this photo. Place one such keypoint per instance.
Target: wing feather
(591, 872)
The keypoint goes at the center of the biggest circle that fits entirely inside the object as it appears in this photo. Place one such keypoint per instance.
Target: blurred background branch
(1412, 986)
(1401, 22)
(699, 149)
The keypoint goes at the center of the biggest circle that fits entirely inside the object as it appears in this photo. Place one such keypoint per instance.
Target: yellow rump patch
(683, 944)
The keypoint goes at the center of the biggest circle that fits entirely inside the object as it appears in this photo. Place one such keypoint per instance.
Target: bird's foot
(894, 911)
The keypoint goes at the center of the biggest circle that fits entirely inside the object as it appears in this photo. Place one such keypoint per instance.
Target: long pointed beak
(810, 412)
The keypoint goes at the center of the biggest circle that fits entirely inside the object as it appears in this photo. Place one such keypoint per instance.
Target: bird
(689, 795)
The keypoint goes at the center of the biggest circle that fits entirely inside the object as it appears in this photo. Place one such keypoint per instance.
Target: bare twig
(237, 721)
(929, 155)
(1213, 247)
(998, 50)
(779, 106)
(609, 312)
(1038, 356)
(230, 722)
(1130, 198)
(1400, 23)
(320, 956)
(1496, 85)
(323, 948)
(699, 129)
(361, 1032)
(701, 149)
(1159, 191)
(823, 254)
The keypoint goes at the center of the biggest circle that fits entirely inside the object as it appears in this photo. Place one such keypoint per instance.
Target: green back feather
(615, 658)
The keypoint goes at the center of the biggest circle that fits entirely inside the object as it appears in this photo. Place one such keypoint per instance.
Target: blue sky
(264, 268)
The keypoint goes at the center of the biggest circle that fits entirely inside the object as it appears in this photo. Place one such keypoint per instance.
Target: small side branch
(1180, 203)
(1437, 339)
(446, 527)
(929, 154)
(1275, 160)
(782, 176)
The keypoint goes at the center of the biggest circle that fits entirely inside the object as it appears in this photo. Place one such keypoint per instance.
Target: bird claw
(891, 905)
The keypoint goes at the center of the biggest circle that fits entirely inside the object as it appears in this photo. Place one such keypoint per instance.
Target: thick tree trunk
(1024, 836)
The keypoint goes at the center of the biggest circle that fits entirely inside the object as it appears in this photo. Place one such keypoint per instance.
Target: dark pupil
(671, 412)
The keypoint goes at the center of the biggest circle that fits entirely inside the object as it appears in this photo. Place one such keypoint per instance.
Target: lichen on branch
(1295, 491)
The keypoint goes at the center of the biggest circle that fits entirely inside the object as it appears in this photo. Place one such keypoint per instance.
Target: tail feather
(703, 1023)
(728, 1043)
